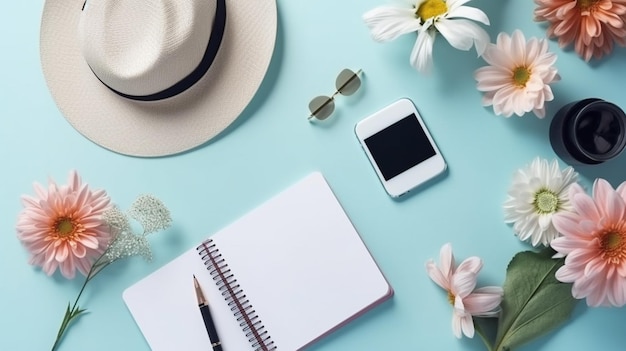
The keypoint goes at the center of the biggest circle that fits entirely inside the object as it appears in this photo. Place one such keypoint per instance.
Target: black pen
(206, 316)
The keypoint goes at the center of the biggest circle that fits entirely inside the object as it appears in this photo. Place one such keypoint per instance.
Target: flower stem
(74, 311)
(483, 337)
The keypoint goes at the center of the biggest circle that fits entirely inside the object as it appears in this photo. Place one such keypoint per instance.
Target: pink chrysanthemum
(62, 227)
(594, 26)
(519, 75)
(594, 243)
(460, 282)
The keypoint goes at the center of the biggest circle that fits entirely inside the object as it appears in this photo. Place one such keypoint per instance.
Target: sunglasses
(347, 83)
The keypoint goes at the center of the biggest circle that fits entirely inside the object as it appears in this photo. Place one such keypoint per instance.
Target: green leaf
(534, 301)
(68, 312)
(77, 311)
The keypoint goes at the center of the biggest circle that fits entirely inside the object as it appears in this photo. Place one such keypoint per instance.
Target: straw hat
(155, 77)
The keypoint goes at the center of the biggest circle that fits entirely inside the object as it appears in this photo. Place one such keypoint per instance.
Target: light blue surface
(272, 147)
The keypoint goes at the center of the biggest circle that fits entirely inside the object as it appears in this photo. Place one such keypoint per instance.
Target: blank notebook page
(297, 258)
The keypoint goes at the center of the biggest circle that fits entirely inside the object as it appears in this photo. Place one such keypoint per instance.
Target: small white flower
(538, 192)
(427, 17)
(519, 75)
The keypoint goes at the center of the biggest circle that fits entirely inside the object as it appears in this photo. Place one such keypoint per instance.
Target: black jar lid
(597, 131)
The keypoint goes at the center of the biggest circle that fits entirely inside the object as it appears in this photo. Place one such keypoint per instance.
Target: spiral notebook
(295, 267)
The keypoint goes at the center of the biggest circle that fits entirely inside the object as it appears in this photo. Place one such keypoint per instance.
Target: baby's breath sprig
(150, 213)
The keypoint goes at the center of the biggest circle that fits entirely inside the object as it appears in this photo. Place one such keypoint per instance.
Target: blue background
(272, 146)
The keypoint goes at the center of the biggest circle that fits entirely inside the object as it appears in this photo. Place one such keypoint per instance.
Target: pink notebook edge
(390, 291)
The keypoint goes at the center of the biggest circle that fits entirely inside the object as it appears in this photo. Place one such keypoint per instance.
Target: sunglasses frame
(354, 75)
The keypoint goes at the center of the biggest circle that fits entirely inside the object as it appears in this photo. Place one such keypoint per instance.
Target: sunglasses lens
(321, 107)
(348, 82)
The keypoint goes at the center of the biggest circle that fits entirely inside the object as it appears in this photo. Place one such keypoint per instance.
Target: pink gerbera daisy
(519, 75)
(460, 282)
(594, 243)
(594, 26)
(62, 227)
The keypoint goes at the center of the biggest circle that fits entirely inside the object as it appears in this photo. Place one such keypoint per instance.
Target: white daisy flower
(538, 192)
(427, 17)
(519, 75)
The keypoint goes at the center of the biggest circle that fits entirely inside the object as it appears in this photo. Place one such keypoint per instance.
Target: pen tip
(199, 293)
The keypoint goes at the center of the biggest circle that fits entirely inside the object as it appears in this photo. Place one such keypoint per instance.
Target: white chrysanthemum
(427, 17)
(537, 193)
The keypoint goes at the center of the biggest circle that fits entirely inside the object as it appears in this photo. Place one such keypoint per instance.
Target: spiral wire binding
(235, 297)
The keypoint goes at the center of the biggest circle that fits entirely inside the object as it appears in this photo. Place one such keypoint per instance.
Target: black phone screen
(400, 146)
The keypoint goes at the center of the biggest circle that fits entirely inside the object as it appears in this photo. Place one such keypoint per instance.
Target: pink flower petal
(463, 283)
(518, 48)
(483, 303)
(79, 251)
(40, 191)
(91, 242)
(48, 266)
(74, 182)
(564, 245)
(567, 275)
(456, 326)
(446, 260)
(618, 293)
(82, 197)
(592, 27)
(62, 253)
(585, 207)
(601, 191)
(68, 270)
(494, 58)
(491, 78)
(575, 189)
(616, 207)
(595, 266)
(621, 269)
(621, 190)
(435, 274)
(83, 266)
(470, 265)
(467, 325)
(579, 257)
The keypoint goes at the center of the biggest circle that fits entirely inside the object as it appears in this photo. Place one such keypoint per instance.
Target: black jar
(588, 131)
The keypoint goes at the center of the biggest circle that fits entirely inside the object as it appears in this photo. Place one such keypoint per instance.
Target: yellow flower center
(613, 245)
(546, 201)
(451, 297)
(521, 76)
(431, 8)
(64, 227)
(586, 4)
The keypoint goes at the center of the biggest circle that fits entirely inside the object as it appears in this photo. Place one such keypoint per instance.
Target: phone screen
(400, 147)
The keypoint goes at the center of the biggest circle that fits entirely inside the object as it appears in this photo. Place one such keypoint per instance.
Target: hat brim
(159, 128)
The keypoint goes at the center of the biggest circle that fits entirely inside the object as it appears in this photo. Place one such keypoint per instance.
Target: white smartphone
(400, 148)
